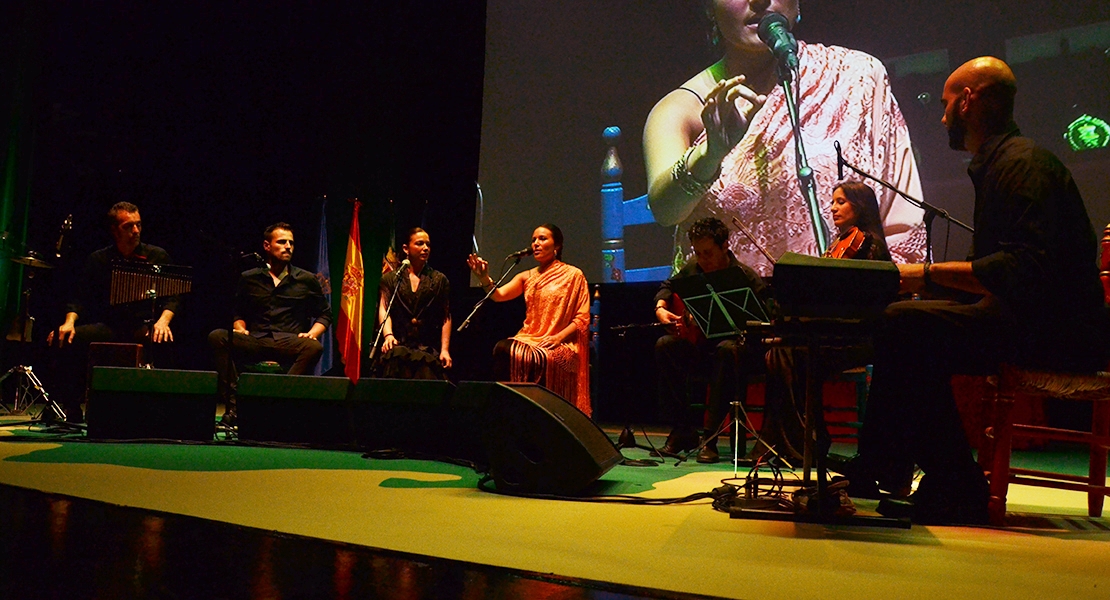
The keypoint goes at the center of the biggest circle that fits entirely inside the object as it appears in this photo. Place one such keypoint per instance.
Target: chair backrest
(616, 214)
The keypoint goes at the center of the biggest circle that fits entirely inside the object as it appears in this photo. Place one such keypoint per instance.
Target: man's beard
(957, 132)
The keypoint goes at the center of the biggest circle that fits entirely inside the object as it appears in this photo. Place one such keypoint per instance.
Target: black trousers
(71, 372)
(685, 367)
(299, 355)
(911, 412)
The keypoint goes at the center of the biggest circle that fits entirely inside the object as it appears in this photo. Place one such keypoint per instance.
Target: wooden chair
(618, 213)
(1014, 383)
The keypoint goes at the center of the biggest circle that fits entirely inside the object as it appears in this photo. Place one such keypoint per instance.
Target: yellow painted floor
(689, 547)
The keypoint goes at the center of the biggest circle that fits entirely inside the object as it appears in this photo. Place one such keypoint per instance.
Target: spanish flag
(349, 331)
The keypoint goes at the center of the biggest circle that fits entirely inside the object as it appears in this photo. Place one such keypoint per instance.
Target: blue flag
(323, 275)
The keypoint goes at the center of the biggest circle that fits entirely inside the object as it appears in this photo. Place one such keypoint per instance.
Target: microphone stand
(805, 172)
(504, 274)
(931, 211)
(388, 310)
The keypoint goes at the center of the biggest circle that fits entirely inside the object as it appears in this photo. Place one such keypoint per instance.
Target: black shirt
(91, 299)
(1034, 247)
(287, 309)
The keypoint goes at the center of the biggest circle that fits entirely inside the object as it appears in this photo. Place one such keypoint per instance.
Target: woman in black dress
(417, 331)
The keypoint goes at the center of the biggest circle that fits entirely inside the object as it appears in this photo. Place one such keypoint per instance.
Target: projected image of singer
(280, 311)
(722, 145)
(551, 347)
(685, 358)
(417, 333)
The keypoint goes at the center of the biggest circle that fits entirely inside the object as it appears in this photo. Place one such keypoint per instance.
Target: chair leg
(986, 439)
(1100, 427)
(1000, 439)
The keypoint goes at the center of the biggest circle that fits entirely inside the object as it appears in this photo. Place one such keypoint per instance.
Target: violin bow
(744, 230)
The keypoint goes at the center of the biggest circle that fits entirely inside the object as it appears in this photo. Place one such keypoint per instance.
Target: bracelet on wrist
(686, 179)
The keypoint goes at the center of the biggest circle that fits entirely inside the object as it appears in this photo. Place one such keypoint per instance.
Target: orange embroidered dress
(555, 298)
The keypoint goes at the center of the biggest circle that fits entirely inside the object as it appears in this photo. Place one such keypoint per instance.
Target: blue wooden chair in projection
(618, 213)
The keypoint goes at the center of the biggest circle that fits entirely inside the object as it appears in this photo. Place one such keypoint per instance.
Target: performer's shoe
(627, 438)
(866, 482)
(229, 418)
(959, 502)
(681, 439)
(709, 453)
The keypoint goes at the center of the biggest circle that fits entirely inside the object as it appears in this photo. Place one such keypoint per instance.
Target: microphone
(404, 263)
(66, 225)
(839, 161)
(520, 253)
(774, 31)
(256, 257)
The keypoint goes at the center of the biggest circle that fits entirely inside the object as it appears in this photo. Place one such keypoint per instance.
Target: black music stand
(722, 302)
(825, 303)
(723, 305)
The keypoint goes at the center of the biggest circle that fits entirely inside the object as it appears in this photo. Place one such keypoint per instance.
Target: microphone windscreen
(770, 19)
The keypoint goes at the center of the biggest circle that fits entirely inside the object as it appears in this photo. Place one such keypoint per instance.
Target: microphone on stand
(404, 263)
(66, 225)
(839, 161)
(521, 253)
(774, 31)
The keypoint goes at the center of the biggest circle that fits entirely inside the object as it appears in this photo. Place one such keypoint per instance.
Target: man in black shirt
(102, 322)
(1031, 296)
(280, 311)
(685, 353)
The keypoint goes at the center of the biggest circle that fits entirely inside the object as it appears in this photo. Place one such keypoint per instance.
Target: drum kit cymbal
(32, 260)
(20, 330)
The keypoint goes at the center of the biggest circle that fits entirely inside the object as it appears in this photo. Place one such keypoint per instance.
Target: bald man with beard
(1028, 293)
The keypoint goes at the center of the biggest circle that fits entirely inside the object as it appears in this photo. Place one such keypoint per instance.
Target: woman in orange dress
(551, 347)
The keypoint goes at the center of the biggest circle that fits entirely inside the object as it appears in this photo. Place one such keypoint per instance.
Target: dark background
(219, 118)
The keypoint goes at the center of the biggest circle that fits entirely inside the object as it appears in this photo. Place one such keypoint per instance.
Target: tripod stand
(28, 392)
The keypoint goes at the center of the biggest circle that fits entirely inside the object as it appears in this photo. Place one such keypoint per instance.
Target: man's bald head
(992, 85)
(979, 101)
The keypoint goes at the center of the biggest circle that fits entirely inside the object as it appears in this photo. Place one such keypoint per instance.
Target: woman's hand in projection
(728, 111)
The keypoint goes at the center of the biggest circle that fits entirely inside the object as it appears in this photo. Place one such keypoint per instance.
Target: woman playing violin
(855, 212)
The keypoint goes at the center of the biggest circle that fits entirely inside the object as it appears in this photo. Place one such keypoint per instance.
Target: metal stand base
(29, 392)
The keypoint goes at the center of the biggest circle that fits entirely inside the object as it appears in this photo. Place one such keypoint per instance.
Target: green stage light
(1088, 133)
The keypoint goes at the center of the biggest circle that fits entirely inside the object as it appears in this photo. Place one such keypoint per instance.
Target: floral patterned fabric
(844, 95)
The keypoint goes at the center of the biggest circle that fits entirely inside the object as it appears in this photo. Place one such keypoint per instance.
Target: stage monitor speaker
(129, 403)
(406, 414)
(537, 442)
(809, 286)
(300, 409)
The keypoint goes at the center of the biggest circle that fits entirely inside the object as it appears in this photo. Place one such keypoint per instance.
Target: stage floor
(432, 509)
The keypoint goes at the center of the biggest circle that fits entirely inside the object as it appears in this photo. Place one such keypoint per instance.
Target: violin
(849, 244)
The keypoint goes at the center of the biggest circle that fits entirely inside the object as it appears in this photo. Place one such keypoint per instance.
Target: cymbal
(32, 261)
